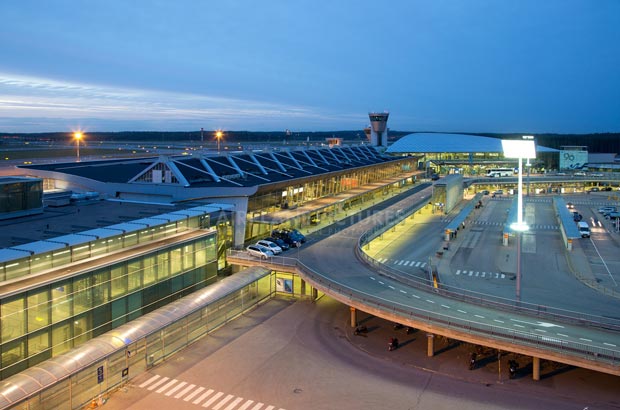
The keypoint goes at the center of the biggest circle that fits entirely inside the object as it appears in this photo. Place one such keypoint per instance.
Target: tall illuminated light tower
(378, 128)
(525, 148)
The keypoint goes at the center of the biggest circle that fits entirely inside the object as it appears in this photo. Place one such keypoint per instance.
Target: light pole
(78, 136)
(218, 137)
(520, 149)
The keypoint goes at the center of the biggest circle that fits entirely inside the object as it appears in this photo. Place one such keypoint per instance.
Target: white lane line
(391, 287)
(176, 388)
(498, 321)
(162, 381)
(462, 311)
(604, 264)
(540, 330)
(415, 296)
(223, 402)
(561, 334)
(406, 263)
(514, 324)
(401, 262)
(481, 317)
(184, 391)
(483, 274)
(477, 273)
(458, 271)
(447, 307)
(417, 265)
(203, 396)
(585, 340)
(258, 406)
(194, 393)
(149, 381)
(609, 344)
(161, 389)
(381, 282)
(471, 272)
(372, 278)
(233, 404)
(213, 399)
(270, 408)
(402, 291)
(429, 301)
(423, 265)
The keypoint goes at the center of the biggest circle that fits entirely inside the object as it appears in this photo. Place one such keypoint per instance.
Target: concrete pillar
(302, 286)
(353, 316)
(315, 294)
(430, 345)
(536, 369)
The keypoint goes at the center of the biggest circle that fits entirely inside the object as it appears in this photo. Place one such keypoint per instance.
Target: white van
(584, 229)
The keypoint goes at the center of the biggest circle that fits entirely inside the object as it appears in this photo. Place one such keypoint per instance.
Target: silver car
(259, 251)
(274, 247)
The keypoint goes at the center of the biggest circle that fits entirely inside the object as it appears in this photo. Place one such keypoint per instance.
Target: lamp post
(218, 137)
(78, 136)
(520, 149)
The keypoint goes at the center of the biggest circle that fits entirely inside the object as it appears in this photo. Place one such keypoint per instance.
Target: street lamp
(78, 136)
(520, 149)
(218, 136)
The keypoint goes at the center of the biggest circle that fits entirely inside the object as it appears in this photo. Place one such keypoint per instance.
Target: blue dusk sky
(310, 65)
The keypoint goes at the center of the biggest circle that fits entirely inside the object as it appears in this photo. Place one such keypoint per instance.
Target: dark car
(285, 246)
(291, 236)
(577, 216)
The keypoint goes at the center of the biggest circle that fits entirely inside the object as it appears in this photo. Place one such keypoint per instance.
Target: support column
(315, 294)
(302, 287)
(353, 316)
(536, 369)
(430, 345)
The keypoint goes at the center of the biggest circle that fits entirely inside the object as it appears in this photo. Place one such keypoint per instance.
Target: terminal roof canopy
(438, 142)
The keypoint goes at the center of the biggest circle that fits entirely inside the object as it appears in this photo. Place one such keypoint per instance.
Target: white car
(259, 251)
(606, 209)
(580, 174)
(272, 246)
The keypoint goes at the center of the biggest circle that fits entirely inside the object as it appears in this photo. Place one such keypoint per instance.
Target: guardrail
(329, 285)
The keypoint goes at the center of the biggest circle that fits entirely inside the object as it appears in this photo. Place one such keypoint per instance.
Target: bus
(500, 172)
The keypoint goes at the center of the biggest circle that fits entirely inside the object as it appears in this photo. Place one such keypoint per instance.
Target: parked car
(579, 174)
(291, 236)
(285, 246)
(484, 192)
(613, 215)
(259, 251)
(595, 189)
(577, 216)
(570, 205)
(273, 247)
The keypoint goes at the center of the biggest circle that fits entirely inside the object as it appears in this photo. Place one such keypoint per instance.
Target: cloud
(27, 103)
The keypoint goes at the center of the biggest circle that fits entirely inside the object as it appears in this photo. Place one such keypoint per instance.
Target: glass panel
(176, 265)
(163, 265)
(38, 342)
(150, 270)
(61, 338)
(38, 309)
(188, 257)
(82, 296)
(40, 263)
(82, 329)
(101, 288)
(61, 257)
(61, 301)
(119, 281)
(13, 321)
(134, 275)
(130, 239)
(17, 268)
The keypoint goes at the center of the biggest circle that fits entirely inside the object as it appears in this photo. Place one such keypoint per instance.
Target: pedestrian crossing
(539, 227)
(201, 396)
(402, 262)
(481, 275)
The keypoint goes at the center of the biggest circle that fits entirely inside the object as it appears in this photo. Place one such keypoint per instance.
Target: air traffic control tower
(378, 128)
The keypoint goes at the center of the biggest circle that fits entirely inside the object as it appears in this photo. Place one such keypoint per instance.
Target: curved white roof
(439, 142)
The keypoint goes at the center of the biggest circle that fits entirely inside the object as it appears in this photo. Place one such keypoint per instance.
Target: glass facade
(20, 194)
(51, 319)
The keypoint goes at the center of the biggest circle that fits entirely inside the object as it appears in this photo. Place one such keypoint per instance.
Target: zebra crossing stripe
(423, 265)
(483, 274)
(471, 272)
(503, 276)
(246, 405)
(203, 396)
(258, 406)
(477, 273)
(234, 403)
(176, 388)
(149, 381)
(194, 393)
(161, 389)
(213, 399)
(162, 381)
(223, 402)
(270, 408)
(184, 391)
(400, 263)
(418, 264)
(458, 271)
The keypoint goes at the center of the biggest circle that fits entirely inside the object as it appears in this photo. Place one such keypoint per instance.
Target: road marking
(372, 278)
(540, 330)
(402, 291)
(184, 391)
(149, 381)
(514, 324)
(203, 396)
(194, 393)
(503, 276)
(477, 273)
(401, 262)
(162, 381)
(447, 307)
(458, 271)
(483, 274)
(406, 263)
(541, 324)
(585, 340)
(462, 311)
(471, 272)
(234, 403)
(481, 317)
(176, 388)
(258, 406)
(213, 399)
(417, 265)
(609, 344)
(498, 321)
(560, 334)
(415, 296)
(246, 405)
(381, 283)
(223, 402)
(429, 301)
(391, 287)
